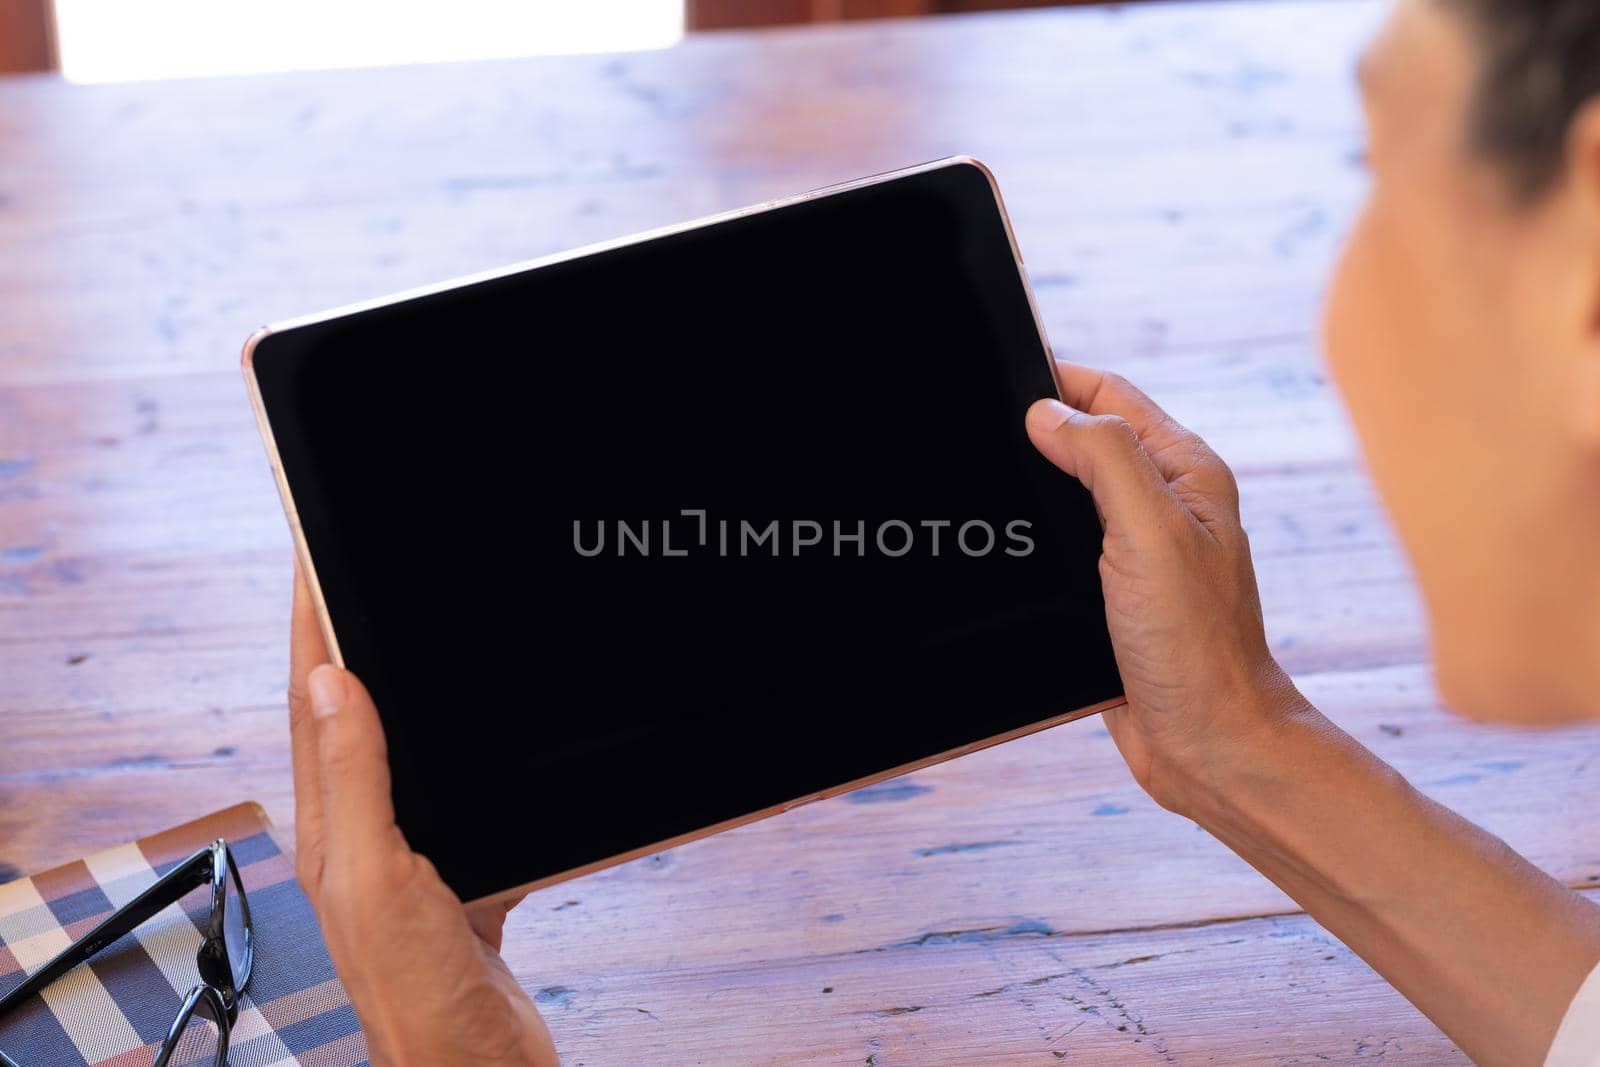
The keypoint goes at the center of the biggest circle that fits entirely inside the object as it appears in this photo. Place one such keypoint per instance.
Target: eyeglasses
(200, 1032)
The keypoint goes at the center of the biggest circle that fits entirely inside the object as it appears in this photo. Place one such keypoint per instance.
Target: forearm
(1485, 944)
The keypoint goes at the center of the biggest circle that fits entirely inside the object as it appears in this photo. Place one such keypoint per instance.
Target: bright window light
(122, 40)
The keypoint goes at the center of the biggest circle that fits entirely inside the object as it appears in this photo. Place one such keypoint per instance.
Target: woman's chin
(1504, 688)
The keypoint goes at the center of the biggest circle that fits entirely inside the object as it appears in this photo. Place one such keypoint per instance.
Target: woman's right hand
(1181, 600)
(423, 973)
(1214, 730)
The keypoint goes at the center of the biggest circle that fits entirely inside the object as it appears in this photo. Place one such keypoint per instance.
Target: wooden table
(1179, 177)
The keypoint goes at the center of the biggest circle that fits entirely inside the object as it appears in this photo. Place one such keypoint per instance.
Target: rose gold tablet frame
(308, 567)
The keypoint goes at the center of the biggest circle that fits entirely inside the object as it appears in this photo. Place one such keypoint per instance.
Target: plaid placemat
(115, 1011)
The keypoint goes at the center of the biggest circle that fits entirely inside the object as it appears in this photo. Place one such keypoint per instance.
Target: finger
(1104, 453)
(306, 651)
(1097, 392)
(1100, 392)
(353, 769)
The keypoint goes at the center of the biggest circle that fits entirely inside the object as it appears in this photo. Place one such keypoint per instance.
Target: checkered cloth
(115, 1011)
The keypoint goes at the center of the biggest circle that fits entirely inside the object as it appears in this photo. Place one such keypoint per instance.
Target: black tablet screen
(635, 543)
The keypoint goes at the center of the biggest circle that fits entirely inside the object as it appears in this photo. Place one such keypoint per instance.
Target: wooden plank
(732, 14)
(1144, 245)
(1049, 831)
(1050, 828)
(771, 913)
(27, 36)
(70, 814)
(1260, 991)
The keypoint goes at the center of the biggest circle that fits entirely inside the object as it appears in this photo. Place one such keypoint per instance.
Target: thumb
(357, 809)
(1105, 454)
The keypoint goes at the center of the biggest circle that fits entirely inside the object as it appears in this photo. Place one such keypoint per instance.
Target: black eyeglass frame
(218, 993)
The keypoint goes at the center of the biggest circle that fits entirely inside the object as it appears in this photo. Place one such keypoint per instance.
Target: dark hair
(1541, 64)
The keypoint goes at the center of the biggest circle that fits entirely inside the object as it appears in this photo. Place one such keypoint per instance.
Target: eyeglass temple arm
(218, 1014)
(167, 889)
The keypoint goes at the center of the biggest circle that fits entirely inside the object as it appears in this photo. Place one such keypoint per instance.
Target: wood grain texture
(1178, 175)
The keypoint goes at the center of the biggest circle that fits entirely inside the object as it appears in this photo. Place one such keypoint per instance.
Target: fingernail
(327, 690)
(1046, 416)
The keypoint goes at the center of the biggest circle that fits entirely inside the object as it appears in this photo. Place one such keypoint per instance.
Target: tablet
(643, 541)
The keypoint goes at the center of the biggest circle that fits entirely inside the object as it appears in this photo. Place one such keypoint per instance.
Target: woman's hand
(1181, 600)
(1215, 730)
(423, 973)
